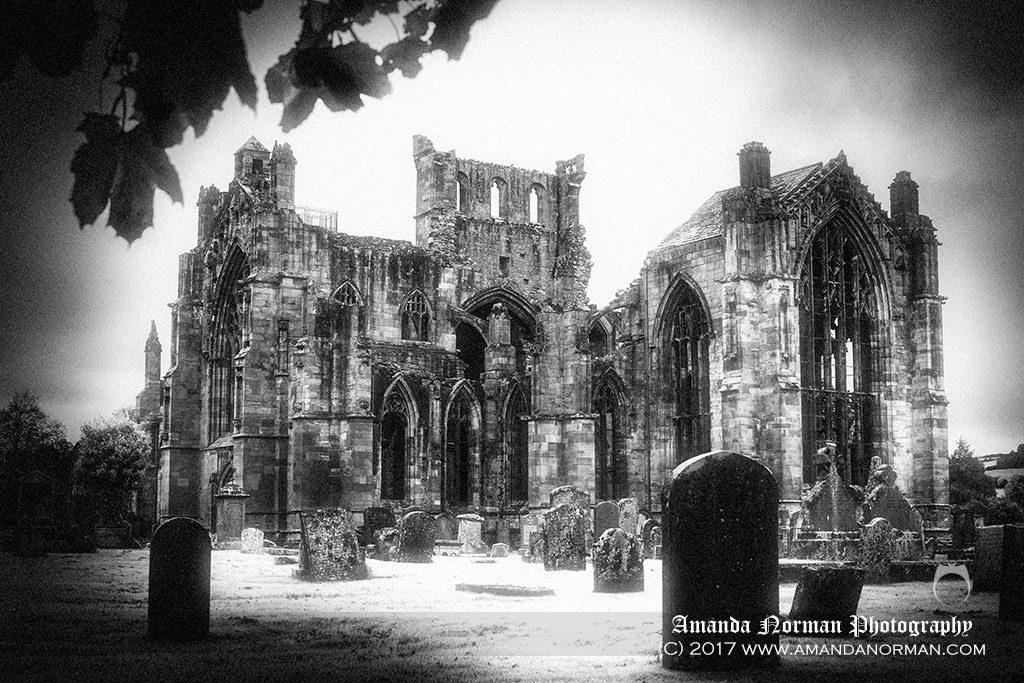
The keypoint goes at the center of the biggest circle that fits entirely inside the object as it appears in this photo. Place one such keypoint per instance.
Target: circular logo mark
(951, 593)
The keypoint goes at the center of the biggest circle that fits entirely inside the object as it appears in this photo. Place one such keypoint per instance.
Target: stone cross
(721, 561)
(179, 580)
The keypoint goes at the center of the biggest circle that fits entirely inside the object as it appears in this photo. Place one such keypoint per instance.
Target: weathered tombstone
(887, 501)
(721, 562)
(832, 505)
(535, 548)
(628, 512)
(230, 504)
(570, 495)
(470, 533)
(645, 537)
(641, 518)
(606, 516)
(565, 538)
(1011, 592)
(499, 550)
(417, 532)
(330, 548)
(618, 563)
(447, 526)
(656, 542)
(828, 594)
(375, 519)
(252, 541)
(879, 548)
(963, 530)
(179, 580)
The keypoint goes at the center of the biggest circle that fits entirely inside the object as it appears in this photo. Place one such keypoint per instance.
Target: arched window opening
(461, 192)
(606, 407)
(458, 452)
(598, 342)
(415, 318)
(536, 194)
(230, 326)
(838, 320)
(499, 198)
(347, 295)
(393, 429)
(470, 344)
(688, 343)
(518, 453)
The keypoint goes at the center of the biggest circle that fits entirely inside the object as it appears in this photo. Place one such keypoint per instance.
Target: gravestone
(535, 547)
(880, 546)
(618, 563)
(447, 526)
(252, 540)
(887, 501)
(179, 580)
(641, 518)
(375, 519)
(963, 530)
(831, 505)
(656, 542)
(230, 517)
(1011, 592)
(565, 538)
(416, 535)
(499, 550)
(986, 574)
(330, 547)
(570, 495)
(606, 516)
(470, 533)
(386, 543)
(645, 537)
(628, 511)
(721, 561)
(828, 593)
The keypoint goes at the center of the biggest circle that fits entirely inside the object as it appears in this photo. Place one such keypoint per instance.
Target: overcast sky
(659, 95)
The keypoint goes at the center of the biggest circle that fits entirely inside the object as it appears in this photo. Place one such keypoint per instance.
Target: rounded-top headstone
(179, 580)
(417, 533)
(606, 516)
(721, 561)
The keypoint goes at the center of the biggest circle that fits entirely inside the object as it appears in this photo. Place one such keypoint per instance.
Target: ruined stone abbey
(467, 371)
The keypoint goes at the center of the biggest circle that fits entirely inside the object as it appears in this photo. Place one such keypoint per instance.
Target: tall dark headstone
(721, 561)
(375, 519)
(179, 580)
(828, 594)
(1011, 593)
(618, 563)
(565, 538)
(417, 532)
(606, 516)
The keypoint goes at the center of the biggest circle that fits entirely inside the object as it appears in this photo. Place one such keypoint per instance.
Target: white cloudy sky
(659, 95)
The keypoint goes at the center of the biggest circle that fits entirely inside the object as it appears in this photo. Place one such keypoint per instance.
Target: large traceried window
(689, 334)
(838, 321)
(415, 317)
(229, 327)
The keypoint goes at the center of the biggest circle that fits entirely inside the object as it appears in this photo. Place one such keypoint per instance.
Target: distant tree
(1014, 490)
(173, 62)
(111, 459)
(29, 440)
(997, 511)
(967, 479)
(1011, 460)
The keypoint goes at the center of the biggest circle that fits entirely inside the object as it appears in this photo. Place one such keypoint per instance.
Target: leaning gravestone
(628, 512)
(252, 540)
(179, 580)
(417, 533)
(565, 538)
(330, 548)
(828, 594)
(618, 563)
(447, 526)
(606, 516)
(721, 562)
(471, 533)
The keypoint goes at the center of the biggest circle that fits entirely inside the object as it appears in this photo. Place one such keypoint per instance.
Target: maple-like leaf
(417, 21)
(189, 54)
(404, 55)
(122, 169)
(452, 21)
(52, 33)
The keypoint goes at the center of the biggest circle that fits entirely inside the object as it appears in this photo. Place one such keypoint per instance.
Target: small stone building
(467, 372)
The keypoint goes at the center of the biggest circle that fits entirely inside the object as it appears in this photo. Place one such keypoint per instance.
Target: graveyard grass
(83, 617)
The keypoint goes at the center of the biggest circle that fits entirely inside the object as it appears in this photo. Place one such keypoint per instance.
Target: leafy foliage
(1011, 460)
(29, 440)
(175, 62)
(112, 456)
(967, 479)
(1015, 490)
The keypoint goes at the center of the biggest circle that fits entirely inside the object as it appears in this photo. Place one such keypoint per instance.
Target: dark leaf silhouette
(189, 54)
(417, 22)
(404, 56)
(52, 33)
(452, 21)
(122, 169)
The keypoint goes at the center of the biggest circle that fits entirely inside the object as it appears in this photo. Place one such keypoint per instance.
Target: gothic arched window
(458, 451)
(689, 334)
(499, 198)
(607, 437)
(461, 192)
(536, 210)
(415, 317)
(517, 439)
(347, 294)
(230, 327)
(393, 431)
(838, 321)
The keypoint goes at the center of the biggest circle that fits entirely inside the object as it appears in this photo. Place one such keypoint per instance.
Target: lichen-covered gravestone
(330, 548)
(252, 540)
(565, 538)
(628, 513)
(499, 550)
(618, 563)
(570, 495)
(375, 519)
(416, 535)
(881, 545)
(447, 526)
(721, 562)
(828, 594)
(606, 516)
(471, 533)
(179, 580)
